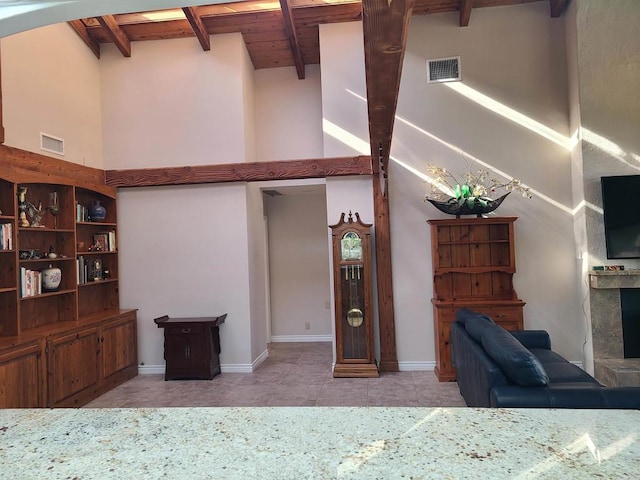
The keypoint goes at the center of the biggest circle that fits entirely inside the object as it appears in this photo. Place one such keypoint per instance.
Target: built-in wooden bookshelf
(62, 347)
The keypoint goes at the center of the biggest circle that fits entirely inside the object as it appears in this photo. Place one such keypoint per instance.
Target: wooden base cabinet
(84, 364)
(119, 349)
(22, 376)
(473, 267)
(73, 367)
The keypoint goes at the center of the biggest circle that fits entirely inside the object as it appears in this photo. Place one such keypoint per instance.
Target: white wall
(184, 253)
(258, 262)
(288, 114)
(299, 264)
(173, 104)
(51, 84)
(345, 124)
(605, 56)
(513, 67)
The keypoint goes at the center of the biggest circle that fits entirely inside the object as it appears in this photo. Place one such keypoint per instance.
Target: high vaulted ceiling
(277, 33)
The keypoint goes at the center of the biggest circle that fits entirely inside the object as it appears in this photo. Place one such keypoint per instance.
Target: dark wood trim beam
(82, 32)
(465, 12)
(28, 166)
(290, 28)
(385, 26)
(240, 172)
(557, 7)
(198, 27)
(117, 35)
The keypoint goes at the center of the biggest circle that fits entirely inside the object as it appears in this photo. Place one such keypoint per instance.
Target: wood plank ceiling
(277, 33)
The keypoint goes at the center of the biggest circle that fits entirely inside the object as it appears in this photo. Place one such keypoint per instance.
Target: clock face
(351, 246)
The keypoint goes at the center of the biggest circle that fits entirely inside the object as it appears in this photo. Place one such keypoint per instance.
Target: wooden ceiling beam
(557, 7)
(385, 24)
(240, 172)
(290, 28)
(82, 32)
(465, 12)
(119, 38)
(198, 27)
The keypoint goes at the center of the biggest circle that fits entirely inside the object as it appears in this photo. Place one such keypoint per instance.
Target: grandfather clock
(355, 355)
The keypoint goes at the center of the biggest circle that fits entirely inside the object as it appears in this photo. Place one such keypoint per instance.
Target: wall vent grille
(443, 70)
(52, 144)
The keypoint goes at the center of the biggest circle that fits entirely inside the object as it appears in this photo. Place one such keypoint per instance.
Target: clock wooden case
(352, 279)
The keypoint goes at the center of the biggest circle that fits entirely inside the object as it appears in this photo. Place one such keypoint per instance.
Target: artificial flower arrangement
(471, 195)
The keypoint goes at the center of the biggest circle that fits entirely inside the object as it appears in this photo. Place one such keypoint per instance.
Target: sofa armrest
(533, 338)
(565, 396)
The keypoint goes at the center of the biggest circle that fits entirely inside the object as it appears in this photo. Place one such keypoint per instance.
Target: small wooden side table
(191, 346)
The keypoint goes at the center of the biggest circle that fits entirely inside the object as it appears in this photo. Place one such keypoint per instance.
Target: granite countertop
(318, 443)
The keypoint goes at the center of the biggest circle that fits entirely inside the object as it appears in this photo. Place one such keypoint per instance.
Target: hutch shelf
(473, 266)
(66, 346)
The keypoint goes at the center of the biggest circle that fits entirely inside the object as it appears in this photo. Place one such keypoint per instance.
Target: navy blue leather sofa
(498, 368)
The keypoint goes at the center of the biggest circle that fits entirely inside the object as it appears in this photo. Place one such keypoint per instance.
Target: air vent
(272, 193)
(443, 70)
(52, 144)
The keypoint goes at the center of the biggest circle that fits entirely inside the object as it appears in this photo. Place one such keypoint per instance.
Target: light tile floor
(295, 374)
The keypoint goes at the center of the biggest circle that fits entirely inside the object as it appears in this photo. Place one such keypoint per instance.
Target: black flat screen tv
(621, 215)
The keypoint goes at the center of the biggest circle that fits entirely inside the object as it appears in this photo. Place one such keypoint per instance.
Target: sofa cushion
(462, 314)
(475, 326)
(559, 370)
(519, 365)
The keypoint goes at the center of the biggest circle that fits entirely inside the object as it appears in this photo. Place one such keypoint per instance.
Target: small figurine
(52, 252)
(36, 214)
(22, 220)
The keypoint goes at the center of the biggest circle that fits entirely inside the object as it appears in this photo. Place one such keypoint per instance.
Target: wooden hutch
(473, 267)
(64, 347)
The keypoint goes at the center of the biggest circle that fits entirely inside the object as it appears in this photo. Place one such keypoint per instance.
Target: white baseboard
(416, 366)
(248, 368)
(150, 369)
(301, 338)
(225, 368)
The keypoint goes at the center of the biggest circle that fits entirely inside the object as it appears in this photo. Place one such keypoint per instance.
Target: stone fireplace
(611, 368)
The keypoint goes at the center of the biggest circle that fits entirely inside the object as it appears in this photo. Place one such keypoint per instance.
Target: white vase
(51, 278)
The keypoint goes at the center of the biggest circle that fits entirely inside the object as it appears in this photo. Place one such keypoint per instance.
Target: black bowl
(452, 207)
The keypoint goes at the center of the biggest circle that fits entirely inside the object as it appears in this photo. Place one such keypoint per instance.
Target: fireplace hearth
(615, 320)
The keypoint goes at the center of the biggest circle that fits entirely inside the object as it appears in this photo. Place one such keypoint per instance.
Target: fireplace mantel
(614, 279)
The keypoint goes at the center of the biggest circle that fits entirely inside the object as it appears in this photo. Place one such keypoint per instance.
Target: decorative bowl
(453, 207)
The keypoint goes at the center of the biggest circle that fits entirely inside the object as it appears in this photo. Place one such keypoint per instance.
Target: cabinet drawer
(504, 313)
(185, 330)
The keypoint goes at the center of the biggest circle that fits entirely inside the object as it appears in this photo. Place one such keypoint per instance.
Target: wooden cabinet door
(119, 347)
(188, 351)
(73, 367)
(22, 378)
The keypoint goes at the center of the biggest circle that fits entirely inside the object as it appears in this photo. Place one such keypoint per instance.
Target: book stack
(30, 282)
(83, 270)
(82, 213)
(6, 236)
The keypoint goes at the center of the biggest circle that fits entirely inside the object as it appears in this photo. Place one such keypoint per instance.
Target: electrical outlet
(327, 305)
(307, 325)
